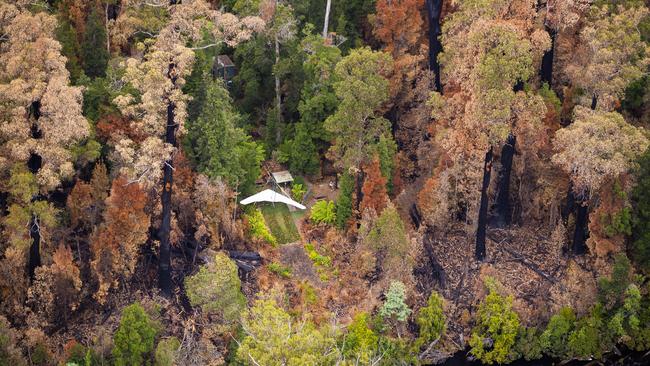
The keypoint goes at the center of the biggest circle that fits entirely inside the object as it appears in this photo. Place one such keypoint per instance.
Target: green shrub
(280, 270)
(257, 227)
(431, 320)
(549, 96)
(167, 351)
(273, 337)
(323, 212)
(317, 258)
(555, 338)
(619, 223)
(360, 343)
(216, 288)
(640, 199)
(611, 290)
(585, 341)
(395, 304)
(310, 295)
(298, 191)
(80, 355)
(344, 201)
(496, 321)
(134, 338)
(529, 344)
(10, 354)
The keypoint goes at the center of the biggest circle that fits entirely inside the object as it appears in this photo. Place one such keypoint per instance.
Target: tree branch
(205, 46)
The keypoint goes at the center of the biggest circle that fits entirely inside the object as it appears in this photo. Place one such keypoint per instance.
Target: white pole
(327, 18)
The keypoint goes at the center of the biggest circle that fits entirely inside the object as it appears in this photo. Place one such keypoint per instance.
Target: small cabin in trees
(224, 68)
(282, 177)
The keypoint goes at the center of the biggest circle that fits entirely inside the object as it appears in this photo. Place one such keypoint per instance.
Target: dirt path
(294, 256)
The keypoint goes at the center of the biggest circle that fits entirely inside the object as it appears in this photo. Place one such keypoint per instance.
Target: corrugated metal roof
(282, 177)
(224, 61)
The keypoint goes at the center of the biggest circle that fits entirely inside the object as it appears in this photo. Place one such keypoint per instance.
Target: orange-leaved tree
(125, 229)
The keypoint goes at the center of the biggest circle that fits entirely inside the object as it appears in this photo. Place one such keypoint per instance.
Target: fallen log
(436, 269)
(246, 267)
(248, 256)
(530, 265)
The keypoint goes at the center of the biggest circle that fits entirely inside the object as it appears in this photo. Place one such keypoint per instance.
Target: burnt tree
(164, 257)
(546, 72)
(34, 165)
(434, 10)
(502, 205)
(581, 232)
(481, 229)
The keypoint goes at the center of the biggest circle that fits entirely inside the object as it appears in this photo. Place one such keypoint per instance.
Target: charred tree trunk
(34, 165)
(34, 249)
(164, 258)
(481, 229)
(570, 204)
(434, 9)
(594, 101)
(503, 208)
(546, 72)
(581, 232)
(359, 189)
(416, 217)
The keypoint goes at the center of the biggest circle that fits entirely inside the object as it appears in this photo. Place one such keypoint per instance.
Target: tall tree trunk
(34, 165)
(581, 232)
(570, 204)
(278, 96)
(108, 34)
(34, 249)
(503, 207)
(358, 183)
(164, 257)
(481, 229)
(327, 18)
(434, 9)
(546, 71)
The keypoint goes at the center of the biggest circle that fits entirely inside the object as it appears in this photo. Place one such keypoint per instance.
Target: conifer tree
(160, 112)
(93, 49)
(219, 147)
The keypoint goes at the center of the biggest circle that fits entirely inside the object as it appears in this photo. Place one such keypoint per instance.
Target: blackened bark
(570, 204)
(437, 271)
(416, 217)
(164, 265)
(503, 208)
(546, 71)
(581, 232)
(519, 86)
(434, 10)
(359, 186)
(483, 209)
(34, 165)
(594, 101)
(35, 248)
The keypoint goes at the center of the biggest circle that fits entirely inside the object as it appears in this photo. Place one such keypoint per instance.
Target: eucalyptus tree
(159, 111)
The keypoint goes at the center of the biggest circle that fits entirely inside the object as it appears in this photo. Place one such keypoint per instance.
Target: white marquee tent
(269, 195)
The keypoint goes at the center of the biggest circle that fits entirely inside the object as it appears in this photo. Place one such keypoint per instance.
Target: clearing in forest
(281, 222)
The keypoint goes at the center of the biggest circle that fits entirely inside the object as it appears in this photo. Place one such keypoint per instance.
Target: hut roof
(224, 61)
(282, 177)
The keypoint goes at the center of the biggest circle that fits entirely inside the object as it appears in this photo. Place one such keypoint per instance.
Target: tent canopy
(268, 195)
